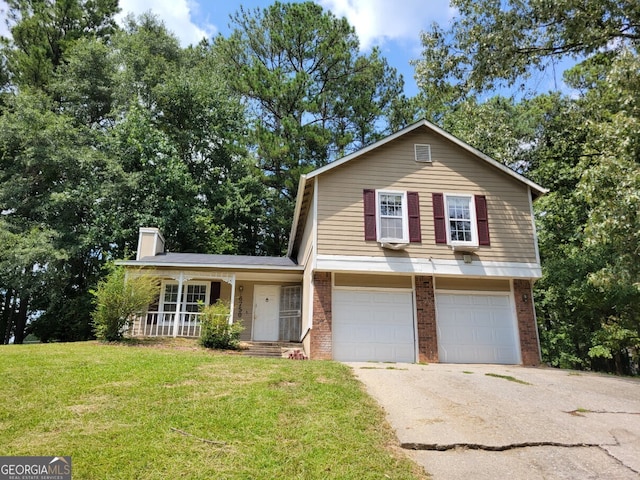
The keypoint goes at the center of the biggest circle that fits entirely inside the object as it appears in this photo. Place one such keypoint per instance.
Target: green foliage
(103, 131)
(492, 43)
(119, 298)
(216, 331)
(313, 97)
(41, 33)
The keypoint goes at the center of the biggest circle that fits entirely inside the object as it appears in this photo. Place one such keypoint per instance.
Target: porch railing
(155, 324)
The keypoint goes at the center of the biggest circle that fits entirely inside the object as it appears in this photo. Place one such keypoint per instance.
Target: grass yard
(177, 411)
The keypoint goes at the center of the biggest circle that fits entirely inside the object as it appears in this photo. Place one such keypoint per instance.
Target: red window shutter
(215, 293)
(439, 218)
(413, 207)
(482, 220)
(369, 197)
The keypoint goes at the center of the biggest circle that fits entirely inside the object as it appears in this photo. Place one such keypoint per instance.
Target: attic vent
(423, 153)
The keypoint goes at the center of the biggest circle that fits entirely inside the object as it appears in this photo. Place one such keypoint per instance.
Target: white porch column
(233, 298)
(179, 305)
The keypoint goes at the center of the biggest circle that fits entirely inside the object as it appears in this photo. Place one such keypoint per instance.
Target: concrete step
(271, 349)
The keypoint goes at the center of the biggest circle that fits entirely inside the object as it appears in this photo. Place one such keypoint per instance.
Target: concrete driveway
(480, 422)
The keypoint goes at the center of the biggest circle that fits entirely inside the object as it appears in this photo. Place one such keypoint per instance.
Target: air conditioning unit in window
(423, 153)
(394, 246)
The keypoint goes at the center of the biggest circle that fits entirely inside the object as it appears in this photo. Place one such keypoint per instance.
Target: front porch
(269, 311)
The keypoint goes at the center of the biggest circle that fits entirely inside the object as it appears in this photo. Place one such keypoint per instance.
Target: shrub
(118, 299)
(216, 332)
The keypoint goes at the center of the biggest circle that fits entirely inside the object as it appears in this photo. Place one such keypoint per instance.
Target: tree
(117, 130)
(492, 43)
(84, 84)
(180, 148)
(119, 298)
(24, 259)
(312, 96)
(49, 180)
(43, 31)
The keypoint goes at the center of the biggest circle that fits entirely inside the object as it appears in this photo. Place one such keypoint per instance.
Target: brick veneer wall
(321, 347)
(426, 310)
(526, 322)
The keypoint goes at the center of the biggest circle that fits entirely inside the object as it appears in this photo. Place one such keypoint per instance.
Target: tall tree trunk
(21, 321)
(5, 326)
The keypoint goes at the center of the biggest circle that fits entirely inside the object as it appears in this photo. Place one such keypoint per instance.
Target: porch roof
(238, 262)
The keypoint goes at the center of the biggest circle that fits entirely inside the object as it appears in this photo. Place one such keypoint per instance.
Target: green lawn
(140, 412)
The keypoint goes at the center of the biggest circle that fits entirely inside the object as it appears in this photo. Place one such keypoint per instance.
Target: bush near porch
(180, 411)
(216, 331)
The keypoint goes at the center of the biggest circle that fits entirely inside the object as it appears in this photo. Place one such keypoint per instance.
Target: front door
(266, 312)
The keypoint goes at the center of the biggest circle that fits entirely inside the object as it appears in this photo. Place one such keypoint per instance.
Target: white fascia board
(224, 266)
(425, 266)
(533, 226)
(445, 134)
(296, 213)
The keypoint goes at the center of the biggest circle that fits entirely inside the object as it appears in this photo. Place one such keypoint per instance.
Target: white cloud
(377, 21)
(177, 15)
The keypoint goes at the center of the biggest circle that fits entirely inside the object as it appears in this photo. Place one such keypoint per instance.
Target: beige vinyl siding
(472, 284)
(372, 281)
(453, 170)
(307, 241)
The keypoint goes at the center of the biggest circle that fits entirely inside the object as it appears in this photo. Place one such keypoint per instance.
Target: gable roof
(303, 189)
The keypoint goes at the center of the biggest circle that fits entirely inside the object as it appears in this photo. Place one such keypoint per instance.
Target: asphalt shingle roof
(205, 259)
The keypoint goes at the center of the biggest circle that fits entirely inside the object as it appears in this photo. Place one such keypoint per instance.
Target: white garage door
(476, 329)
(373, 326)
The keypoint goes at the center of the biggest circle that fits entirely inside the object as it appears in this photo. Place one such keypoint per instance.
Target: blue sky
(393, 26)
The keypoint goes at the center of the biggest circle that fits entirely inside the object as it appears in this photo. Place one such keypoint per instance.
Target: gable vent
(423, 153)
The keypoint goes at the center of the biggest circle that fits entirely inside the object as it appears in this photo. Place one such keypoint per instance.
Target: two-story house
(416, 248)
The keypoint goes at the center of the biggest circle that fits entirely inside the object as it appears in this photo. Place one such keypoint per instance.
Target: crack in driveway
(512, 446)
(495, 448)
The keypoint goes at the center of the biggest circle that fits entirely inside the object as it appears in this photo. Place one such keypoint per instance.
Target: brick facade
(321, 346)
(426, 310)
(526, 322)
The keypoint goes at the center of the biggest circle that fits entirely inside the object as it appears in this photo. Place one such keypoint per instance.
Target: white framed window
(460, 213)
(193, 294)
(392, 219)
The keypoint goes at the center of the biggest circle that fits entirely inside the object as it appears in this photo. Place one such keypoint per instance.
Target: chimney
(150, 243)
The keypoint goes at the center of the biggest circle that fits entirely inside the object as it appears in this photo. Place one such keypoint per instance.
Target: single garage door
(476, 329)
(373, 325)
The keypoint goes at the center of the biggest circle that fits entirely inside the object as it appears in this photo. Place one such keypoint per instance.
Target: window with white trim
(392, 216)
(169, 302)
(192, 295)
(461, 220)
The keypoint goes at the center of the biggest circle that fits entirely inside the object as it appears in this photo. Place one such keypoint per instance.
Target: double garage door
(373, 325)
